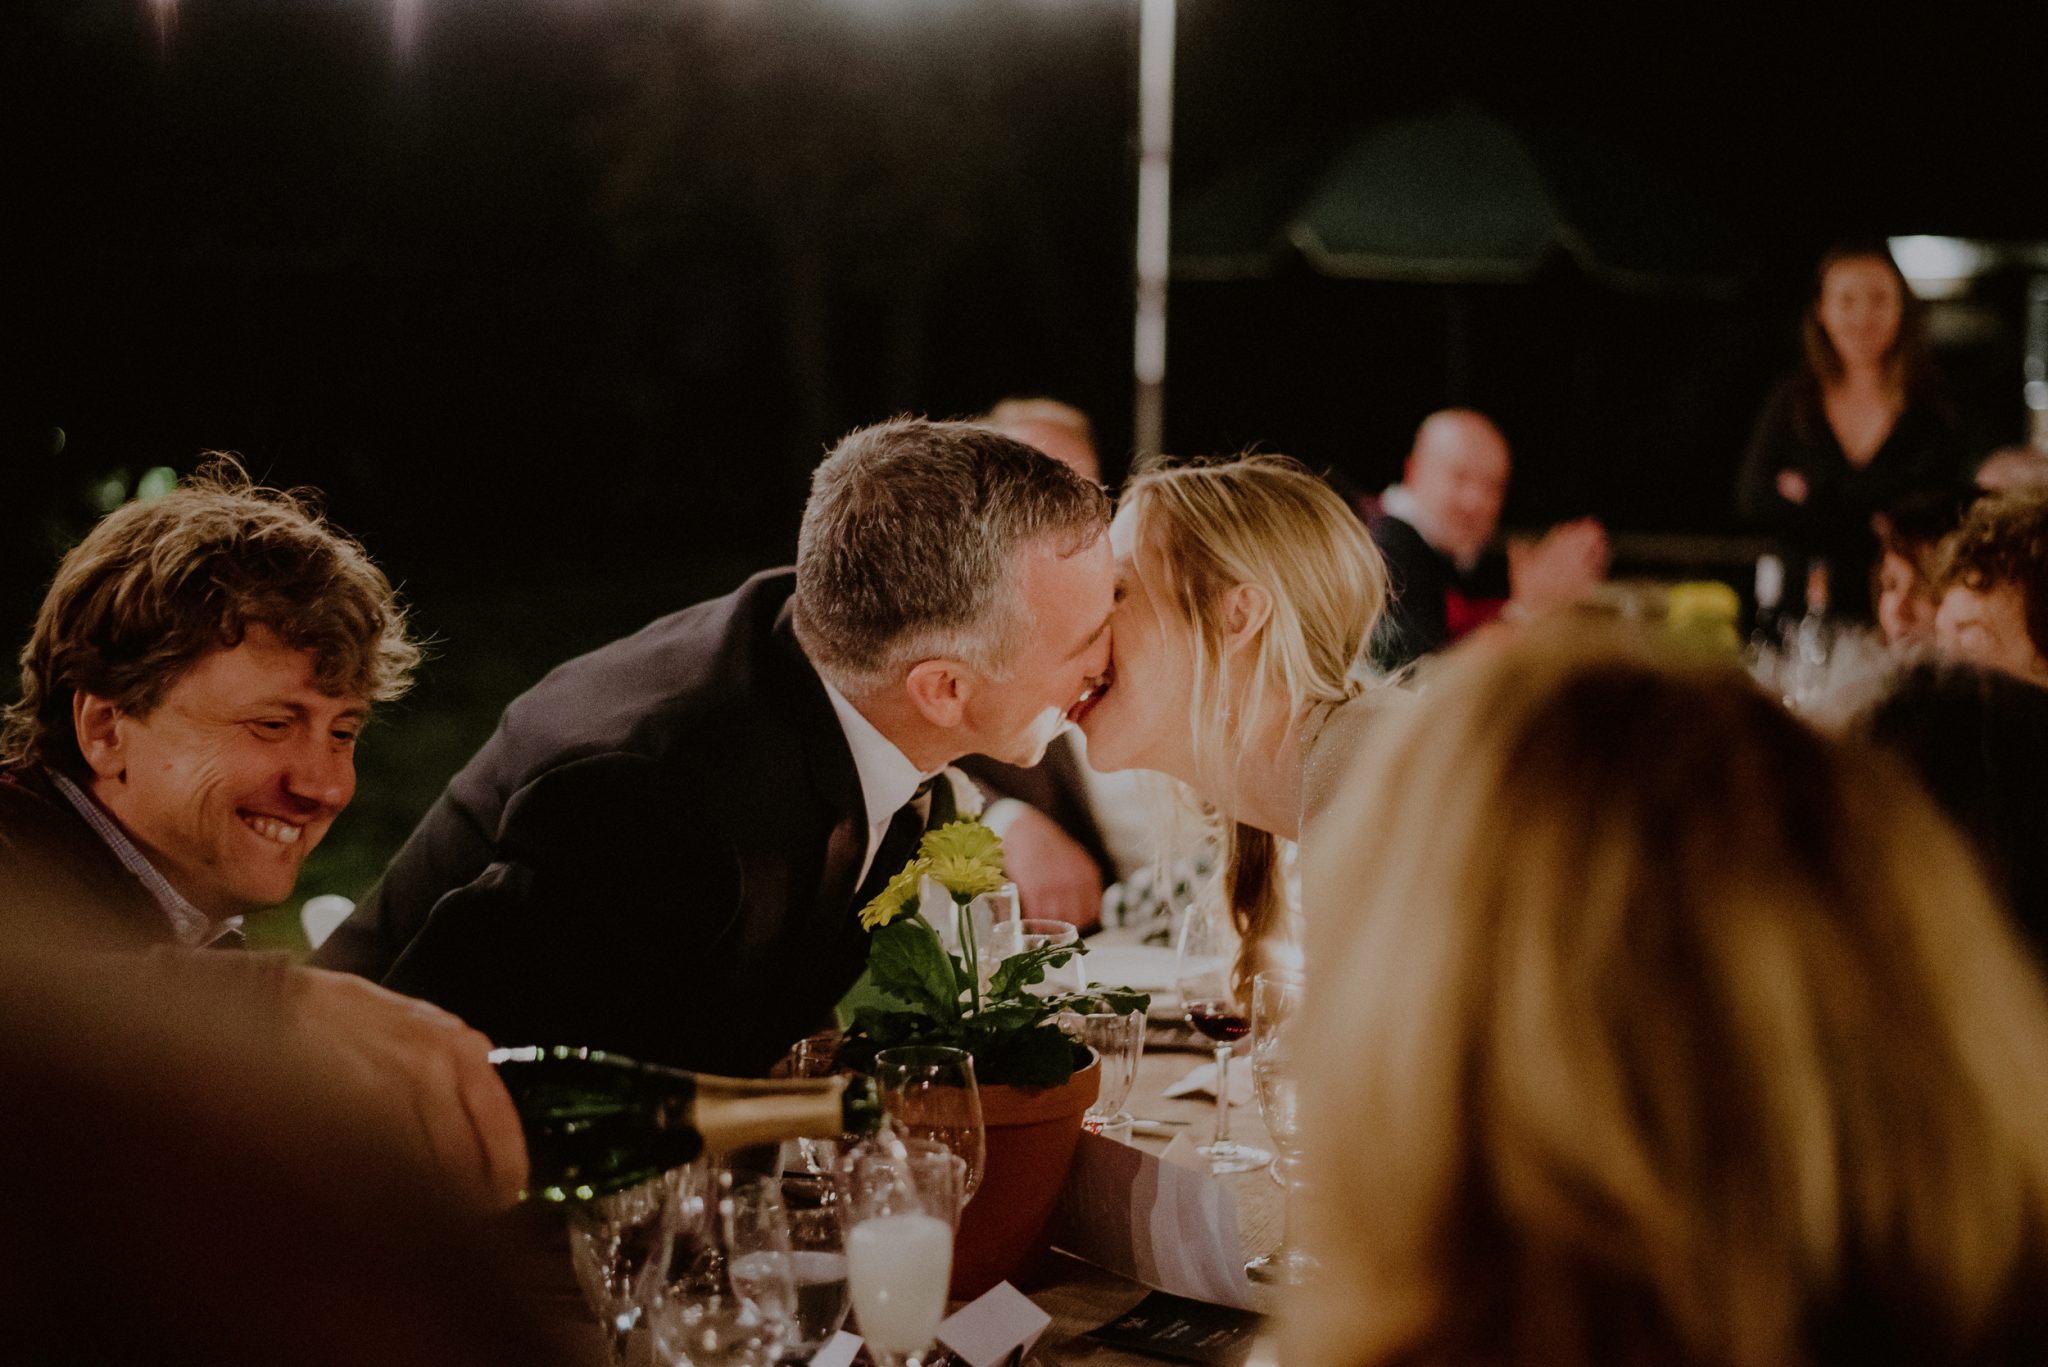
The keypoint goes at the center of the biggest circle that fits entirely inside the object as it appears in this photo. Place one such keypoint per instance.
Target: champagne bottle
(597, 1123)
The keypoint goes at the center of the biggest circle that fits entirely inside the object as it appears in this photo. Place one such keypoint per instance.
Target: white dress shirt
(887, 777)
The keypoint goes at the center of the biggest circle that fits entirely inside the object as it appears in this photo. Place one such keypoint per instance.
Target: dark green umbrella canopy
(1454, 198)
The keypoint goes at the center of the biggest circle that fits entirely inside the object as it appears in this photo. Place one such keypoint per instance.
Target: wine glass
(1204, 976)
(1276, 1009)
(1118, 1039)
(729, 1297)
(899, 1202)
(619, 1246)
(928, 1091)
(817, 1260)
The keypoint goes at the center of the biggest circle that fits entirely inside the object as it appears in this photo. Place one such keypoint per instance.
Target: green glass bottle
(597, 1123)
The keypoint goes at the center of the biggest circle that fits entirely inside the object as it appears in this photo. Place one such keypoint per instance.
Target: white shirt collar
(887, 777)
(1399, 501)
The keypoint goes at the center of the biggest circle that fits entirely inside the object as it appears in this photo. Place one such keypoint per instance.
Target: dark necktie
(930, 807)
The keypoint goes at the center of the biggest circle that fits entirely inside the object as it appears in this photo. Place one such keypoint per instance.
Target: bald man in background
(1435, 527)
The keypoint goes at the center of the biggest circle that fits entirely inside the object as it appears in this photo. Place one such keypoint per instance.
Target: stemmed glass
(729, 1299)
(1276, 1009)
(899, 1203)
(1204, 977)
(929, 1091)
(619, 1246)
(817, 1262)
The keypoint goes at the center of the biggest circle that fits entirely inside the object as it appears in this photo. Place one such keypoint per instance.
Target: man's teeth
(270, 828)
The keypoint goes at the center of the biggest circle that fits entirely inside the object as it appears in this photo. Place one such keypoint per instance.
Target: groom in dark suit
(661, 850)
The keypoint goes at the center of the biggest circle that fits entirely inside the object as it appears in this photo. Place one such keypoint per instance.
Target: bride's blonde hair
(1203, 528)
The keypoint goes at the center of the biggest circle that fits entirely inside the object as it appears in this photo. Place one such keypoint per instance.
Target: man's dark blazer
(1055, 786)
(655, 854)
(55, 870)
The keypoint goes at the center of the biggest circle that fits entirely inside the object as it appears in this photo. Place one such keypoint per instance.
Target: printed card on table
(1184, 1330)
(1168, 1226)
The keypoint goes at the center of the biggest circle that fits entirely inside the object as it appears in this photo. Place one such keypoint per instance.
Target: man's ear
(939, 689)
(96, 723)
(1246, 608)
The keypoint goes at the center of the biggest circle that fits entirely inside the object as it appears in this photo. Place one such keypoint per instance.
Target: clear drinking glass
(729, 1298)
(899, 1203)
(1276, 1010)
(1014, 937)
(619, 1247)
(1208, 999)
(817, 1263)
(1118, 1039)
(815, 1055)
(928, 1091)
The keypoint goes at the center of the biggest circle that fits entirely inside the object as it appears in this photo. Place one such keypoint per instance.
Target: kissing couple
(662, 848)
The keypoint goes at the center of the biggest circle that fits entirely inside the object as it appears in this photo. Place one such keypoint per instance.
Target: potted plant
(1036, 1081)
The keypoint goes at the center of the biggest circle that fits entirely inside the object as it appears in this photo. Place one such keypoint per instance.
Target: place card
(839, 1351)
(1168, 1226)
(1201, 1081)
(1001, 1325)
(1184, 1330)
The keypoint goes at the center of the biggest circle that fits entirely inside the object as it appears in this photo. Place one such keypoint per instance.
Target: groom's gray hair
(910, 543)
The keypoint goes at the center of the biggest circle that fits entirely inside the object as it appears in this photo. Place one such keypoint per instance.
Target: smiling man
(191, 695)
(662, 849)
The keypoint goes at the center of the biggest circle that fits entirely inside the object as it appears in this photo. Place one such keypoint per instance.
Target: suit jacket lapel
(832, 773)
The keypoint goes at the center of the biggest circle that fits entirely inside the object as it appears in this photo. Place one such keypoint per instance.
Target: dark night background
(560, 308)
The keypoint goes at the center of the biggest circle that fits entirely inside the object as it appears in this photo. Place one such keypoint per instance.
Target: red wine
(1219, 1020)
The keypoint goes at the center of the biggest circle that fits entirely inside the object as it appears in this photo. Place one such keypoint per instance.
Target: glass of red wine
(1205, 976)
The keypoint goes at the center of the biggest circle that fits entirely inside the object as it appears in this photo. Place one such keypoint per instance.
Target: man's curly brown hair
(160, 583)
(2003, 540)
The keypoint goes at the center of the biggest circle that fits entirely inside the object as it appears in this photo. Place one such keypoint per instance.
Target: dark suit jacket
(1423, 580)
(53, 865)
(1056, 787)
(655, 854)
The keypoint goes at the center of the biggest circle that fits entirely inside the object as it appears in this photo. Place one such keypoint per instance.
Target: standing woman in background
(1857, 428)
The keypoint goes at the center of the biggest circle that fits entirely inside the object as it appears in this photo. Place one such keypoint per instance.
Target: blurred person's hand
(1558, 569)
(1792, 486)
(1055, 878)
(429, 1073)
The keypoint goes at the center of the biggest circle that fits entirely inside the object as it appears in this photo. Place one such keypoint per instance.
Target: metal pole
(2035, 393)
(1155, 160)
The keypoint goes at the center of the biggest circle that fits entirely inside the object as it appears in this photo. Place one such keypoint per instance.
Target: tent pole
(1155, 153)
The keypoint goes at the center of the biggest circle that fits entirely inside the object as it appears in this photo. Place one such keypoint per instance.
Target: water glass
(815, 1055)
(729, 1297)
(929, 1091)
(899, 1203)
(1276, 1014)
(619, 1247)
(1014, 937)
(817, 1262)
(1118, 1039)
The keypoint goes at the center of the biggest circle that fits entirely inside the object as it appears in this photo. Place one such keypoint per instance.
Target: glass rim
(916, 1055)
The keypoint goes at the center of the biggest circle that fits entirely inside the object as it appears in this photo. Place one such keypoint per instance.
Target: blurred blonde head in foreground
(1669, 1032)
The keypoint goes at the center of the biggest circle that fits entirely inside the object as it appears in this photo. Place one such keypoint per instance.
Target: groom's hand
(1055, 878)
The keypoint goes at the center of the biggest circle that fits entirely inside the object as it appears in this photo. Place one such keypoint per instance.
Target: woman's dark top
(1923, 453)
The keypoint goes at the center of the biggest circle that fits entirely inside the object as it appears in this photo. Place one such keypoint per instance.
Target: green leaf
(1041, 1057)
(1120, 1000)
(906, 961)
(1027, 968)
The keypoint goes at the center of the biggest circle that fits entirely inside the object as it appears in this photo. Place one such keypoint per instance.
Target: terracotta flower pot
(1032, 1132)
